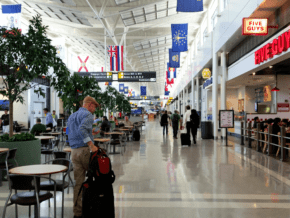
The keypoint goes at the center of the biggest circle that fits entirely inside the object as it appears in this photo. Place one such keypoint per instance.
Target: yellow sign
(171, 98)
(109, 73)
(206, 73)
(121, 75)
(256, 26)
(145, 97)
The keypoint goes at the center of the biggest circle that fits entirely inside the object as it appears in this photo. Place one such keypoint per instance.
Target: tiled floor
(157, 177)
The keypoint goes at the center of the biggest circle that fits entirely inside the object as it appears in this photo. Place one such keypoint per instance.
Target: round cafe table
(103, 140)
(4, 150)
(38, 170)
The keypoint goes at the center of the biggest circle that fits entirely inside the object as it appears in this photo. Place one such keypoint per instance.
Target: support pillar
(183, 101)
(192, 93)
(223, 86)
(215, 95)
(198, 100)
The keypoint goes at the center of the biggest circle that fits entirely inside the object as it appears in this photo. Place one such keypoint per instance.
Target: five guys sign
(278, 45)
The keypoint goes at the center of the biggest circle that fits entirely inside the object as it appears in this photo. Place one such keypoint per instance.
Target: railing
(246, 134)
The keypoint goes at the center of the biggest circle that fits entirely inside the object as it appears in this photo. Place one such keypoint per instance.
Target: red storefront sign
(278, 45)
(282, 107)
(255, 26)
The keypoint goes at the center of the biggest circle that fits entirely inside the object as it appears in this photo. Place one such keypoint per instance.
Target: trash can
(206, 130)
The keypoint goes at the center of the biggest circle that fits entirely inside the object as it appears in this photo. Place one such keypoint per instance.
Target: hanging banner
(121, 87)
(10, 16)
(189, 5)
(174, 59)
(143, 90)
(179, 37)
(126, 90)
(171, 73)
(133, 93)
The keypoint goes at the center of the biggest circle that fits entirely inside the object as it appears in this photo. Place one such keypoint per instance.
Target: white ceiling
(147, 24)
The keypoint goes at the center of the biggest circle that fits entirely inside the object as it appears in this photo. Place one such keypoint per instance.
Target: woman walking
(164, 122)
(194, 118)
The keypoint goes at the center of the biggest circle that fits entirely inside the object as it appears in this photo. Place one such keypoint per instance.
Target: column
(198, 100)
(223, 86)
(214, 94)
(183, 100)
(192, 93)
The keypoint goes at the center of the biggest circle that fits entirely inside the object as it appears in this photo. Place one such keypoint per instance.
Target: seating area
(54, 152)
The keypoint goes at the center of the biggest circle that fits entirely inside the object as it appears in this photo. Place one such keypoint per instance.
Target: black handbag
(161, 124)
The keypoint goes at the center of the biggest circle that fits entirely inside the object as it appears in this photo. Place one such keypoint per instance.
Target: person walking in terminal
(164, 122)
(81, 141)
(175, 119)
(49, 119)
(5, 120)
(38, 127)
(194, 119)
(186, 120)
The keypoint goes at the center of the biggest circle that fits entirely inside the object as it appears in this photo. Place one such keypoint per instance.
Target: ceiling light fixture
(254, 74)
(270, 67)
(275, 89)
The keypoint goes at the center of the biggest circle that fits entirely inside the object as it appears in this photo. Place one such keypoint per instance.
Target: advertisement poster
(226, 119)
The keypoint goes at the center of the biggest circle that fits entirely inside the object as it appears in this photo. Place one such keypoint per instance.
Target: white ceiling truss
(55, 11)
(148, 12)
(145, 26)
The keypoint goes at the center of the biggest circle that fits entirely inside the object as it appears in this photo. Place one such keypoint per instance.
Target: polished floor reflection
(157, 177)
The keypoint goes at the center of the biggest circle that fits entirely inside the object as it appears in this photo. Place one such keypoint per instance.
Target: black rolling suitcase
(185, 139)
(98, 195)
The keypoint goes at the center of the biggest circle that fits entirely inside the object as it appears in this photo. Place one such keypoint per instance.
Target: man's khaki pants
(80, 160)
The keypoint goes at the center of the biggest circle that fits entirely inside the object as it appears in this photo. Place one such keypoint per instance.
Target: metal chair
(116, 140)
(6, 167)
(63, 155)
(28, 198)
(11, 156)
(47, 151)
(60, 184)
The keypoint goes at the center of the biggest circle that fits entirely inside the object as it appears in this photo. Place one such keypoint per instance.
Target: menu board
(226, 119)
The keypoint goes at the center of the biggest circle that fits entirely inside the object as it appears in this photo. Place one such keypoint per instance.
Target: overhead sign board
(99, 76)
(255, 26)
(137, 76)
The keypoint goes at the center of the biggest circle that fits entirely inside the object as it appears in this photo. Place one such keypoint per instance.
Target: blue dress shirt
(49, 118)
(80, 126)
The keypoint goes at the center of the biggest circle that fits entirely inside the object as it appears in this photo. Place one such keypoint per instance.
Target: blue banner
(11, 9)
(179, 37)
(166, 92)
(174, 59)
(126, 90)
(121, 87)
(143, 90)
(133, 93)
(189, 5)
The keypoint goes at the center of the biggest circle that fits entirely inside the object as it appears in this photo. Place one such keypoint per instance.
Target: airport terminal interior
(145, 108)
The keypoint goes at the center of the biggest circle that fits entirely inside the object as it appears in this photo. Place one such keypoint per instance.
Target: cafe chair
(56, 144)
(63, 155)
(28, 198)
(47, 151)
(11, 156)
(60, 184)
(2, 155)
(116, 140)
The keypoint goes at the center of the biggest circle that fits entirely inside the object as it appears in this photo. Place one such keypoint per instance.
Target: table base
(115, 153)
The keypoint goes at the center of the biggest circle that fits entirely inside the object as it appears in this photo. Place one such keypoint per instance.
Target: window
(214, 19)
(204, 35)
(225, 3)
(198, 45)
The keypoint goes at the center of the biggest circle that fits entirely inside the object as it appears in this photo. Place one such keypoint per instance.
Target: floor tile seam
(266, 170)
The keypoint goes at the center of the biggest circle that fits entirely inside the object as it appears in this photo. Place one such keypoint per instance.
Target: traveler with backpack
(194, 119)
(81, 141)
(175, 119)
(164, 122)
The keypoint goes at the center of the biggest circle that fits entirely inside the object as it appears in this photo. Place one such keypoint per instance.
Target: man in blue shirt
(49, 119)
(81, 139)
